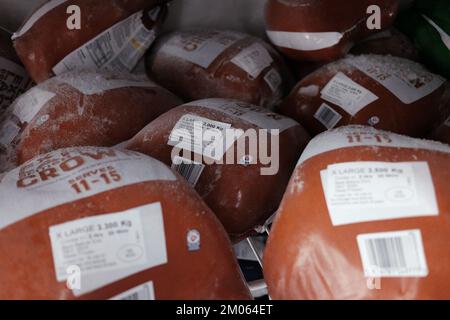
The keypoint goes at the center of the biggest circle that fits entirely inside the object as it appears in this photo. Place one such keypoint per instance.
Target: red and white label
(71, 174)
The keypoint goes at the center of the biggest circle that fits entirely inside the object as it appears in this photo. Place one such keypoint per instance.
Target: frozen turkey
(366, 216)
(64, 35)
(81, 109)
(238, 156)
(385, 92)
(97, 223)
(201, 64)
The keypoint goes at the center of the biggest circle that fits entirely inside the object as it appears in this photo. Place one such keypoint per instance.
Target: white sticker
(67, 175)
(304, 41)
(371, 191)
(258, 116)
(27, 106)
(117, 49)
(327, 116)
(253, 59)
(188, 134)
(109, 247)
(407, 80)
(143, 292)
(8, 132)
(13, 82)
(188, 169)
(36, 16)
(361, 136)
(347, 94)
(200, 48)
(393, 254)
(274, 80)
(94, 83)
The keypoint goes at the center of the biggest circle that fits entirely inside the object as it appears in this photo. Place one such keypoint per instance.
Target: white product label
(189, 169)
(71, 174)
(371, 191)
(117, 49)
(274, 80)
(327, 116)
(253, 59)
(29, 104)
(347, 94)
(143, 292)
(407, 80)
(393, 254)
(359, 136)
(444, 36)
(8, 132)
(304, 41)
(13, 82)
(258, 116)
(189, 134)
(201, 48)
(89, 83)
(38, 14)
(109, 247)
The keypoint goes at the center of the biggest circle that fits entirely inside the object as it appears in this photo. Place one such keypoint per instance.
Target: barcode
(327, 116)
(273, 79)
(393, 254)
(133, 296)
(142, 292)
(190, 170)
(101, 50)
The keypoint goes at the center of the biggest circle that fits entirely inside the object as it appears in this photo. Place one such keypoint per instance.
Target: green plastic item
(427, 23)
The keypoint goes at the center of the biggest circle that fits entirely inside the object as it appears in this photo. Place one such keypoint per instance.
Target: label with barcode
(273, 80)
(201, 48)
(143, 292)
(371, 191)
(393, 254)
(347, 94)
(202, 136)
(253, 59)
(117, 49)
(327, 116)
(189, 169)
